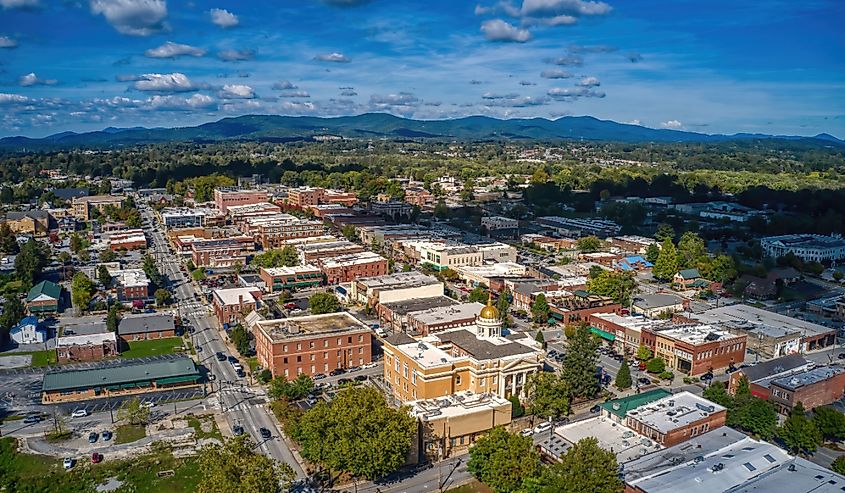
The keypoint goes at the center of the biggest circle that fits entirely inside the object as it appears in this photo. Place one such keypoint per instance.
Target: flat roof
(445, 314)
(291, 271)
(696, 334)
(282, 329)
(621, 406)
(399, 280)
(459, 404)
(86, 339)
(625, 443)
(141, 323)
(802, 378)
(630, 322)
(774, 367)
(180, 366)
(425, 353)
(658, 300)
(365, 257)
(232, 296)
(749, 318)
(420, 304)
(675, 411)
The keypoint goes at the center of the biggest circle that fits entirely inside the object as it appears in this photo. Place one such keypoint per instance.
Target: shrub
(655, 365)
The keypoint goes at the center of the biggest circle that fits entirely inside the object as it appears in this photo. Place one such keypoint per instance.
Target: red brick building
(317, 251)
(812, 388)
(311, 345)
(347, 268)
(227, 197)
(90, 347)
(694, 349)
(676, 418)
(221, 252)
(304, 196)
(230, 305)
(419, 197)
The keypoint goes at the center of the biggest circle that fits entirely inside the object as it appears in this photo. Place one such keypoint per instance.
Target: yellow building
(82, 206)
(36, 223)
(475, 359)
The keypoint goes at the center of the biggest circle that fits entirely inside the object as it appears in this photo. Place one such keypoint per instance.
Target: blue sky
(772, 66)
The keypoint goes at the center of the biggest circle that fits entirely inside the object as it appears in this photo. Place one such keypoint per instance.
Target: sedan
(220, 356)
(107, 435)
(337, 371)
(343, 381)
(319, 376)
(595, 409)
(31, 419)
(68, 462)
(644, 381)
(361, 378)
(238, 430)
(92, 437)
(265, 433)
(79, 413)
(96, 458)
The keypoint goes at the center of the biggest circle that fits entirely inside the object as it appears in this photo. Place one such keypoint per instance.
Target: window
(361, 338)
(325, 355)
(285, 348)
(360, 350)
(457, 379)
(750, 467)
(405, 370)
(338, 341)
(299, 359)
(414, 376)
(313, 370)
(325, 367)
(769, 458)
(397, 365)
(313, 356)
(285, 360)
(349, 339)
(311, 344)
(325, 343)
(299, 346)
(286, 372)
(482, 381)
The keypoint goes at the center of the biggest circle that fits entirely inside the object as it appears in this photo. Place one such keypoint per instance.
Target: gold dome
(490, 311)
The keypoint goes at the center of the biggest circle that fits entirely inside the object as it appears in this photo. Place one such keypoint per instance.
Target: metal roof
(142, 323)
(48, 288)
(126, 373)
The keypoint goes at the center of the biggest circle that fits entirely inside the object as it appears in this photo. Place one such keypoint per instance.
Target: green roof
(48, 288)
(581, 293)
(125, 376)
(689, 274)
(603, 334)
(634, 401)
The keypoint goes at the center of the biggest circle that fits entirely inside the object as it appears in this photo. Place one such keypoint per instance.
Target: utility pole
(111, 410)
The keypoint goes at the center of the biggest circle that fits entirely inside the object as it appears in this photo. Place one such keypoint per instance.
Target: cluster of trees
(320, 303)
(745, 411)
(540, 309)
(358, 433)
(240, 337)
(30, 262)
(236, 465)
(690, 252)
(291, 390)
(284, 257)
(618, 285)
(509, 463)
(151, 270)
(81, 291)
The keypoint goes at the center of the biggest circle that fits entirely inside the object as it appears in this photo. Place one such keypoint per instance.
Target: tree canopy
(667, 264)
(579, 364)
(548, 395)
(237, 466)
(617, 285)
(501, 460)
(585, 467)
(323, 303)
(284, 257)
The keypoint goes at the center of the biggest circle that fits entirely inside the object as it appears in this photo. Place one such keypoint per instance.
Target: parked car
(232, 359)
(318, 376)
(343, 381)
(238, 430)
(369, 365)
(220, 356)
(361, 378)
(79, 413)
(92, 437)
(31, 419)
(542, 427)
(527, 432)
(96, 458)
(311, 400)
(106, 435)
(148, 404)
(644, 381)
(68, 462)
(337, 371)
(240, 373)
(595, 409)
(265, 433)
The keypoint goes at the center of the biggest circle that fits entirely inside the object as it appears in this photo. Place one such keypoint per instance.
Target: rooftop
(675, 411)
(86, 339)
(233, 296)
(116, 375)
(621, 406)
(351, 259)
(696, 334)
(650, 301)
(484, 348)
(128, 278)
(630, 322)
(774, 367)
(426, 354)
(807, 241)
(446, 314)
(454, 405)
(420, 304)
(499, 269)
(46, 288)
(803, 377)
(279, 330)
(291, 271)
(142, 323)
(399, 280)
(749, 318)
(612, 436)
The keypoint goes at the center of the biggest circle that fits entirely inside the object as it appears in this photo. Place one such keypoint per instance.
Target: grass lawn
(154, 347)
(44, 474)
(129, 433)
(196, 423)
(39, 358)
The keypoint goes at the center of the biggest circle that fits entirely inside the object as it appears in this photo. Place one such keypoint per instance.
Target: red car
(96, 458)
(290, 306)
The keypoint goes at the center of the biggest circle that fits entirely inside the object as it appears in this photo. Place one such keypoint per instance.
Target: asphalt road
(240, 404)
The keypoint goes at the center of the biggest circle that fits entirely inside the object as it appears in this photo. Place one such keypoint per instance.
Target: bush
(688, 380)
(264, 376)
(516, 408)
(655, 365)
(666, 375)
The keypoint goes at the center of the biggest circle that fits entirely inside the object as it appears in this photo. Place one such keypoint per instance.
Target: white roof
(232, 296)
(622, 441)
(282, 271)
(86, 339)
(674, 411)
(351, 259)
(756, 319)
(697, 334)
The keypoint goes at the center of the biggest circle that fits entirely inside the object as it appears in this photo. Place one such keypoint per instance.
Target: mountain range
(381, 125)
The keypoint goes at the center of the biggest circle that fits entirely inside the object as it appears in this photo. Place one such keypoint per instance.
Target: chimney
(241, 301)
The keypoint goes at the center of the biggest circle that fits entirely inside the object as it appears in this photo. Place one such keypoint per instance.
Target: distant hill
(382, 125)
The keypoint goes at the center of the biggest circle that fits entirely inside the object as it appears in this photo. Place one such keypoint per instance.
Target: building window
(457, 379)
(285, 348)
(338, 341)
(325, 343)
(414, 376)
(311, 344)
(299, 359)
(360, 350)
(482, 382)
(313, 356)
(405, 370)
(285, 360)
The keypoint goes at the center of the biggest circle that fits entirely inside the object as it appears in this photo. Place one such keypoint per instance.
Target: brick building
(419, 197)
(694, 349)
(395, 314)
(35, 223)
(130, 284)
(132, 239)
(760, 375)
(812, 388)
(82, 206)
(311, 345)
(300, 276)
(88, 347)
(304, 196)
(227, 197)
(221, 252)
(433, 320)
(676, 418)
(348, 268)
(230, 305)
(316, 251)
(273, 231)
(144, 326)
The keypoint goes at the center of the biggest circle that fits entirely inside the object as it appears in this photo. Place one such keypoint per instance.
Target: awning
(603, 334)
(183, 379)
(128, 386)
(551, 321)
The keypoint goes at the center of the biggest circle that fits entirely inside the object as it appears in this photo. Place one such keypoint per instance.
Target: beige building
(82, 206)
(475, 359)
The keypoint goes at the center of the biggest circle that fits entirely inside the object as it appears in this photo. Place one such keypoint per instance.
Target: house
(632, 263)
(28, 331)
(655, 305)
(691, 279)
(44, 298)
(143, 326)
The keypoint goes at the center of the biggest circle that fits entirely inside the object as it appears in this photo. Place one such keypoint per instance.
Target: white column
(513, 384)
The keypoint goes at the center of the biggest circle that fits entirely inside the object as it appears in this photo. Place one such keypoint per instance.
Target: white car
(369, 365)
(148, 404)
(68, 462)
(542, 427)
(79, 413)
(527, 432)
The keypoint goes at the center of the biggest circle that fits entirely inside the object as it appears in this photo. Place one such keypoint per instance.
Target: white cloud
(173, 50)
(132, 17)
(175, 82)
(31, 79)
(6, 98)
(284, 85)
(672, 124)
(558, 20)
(555, 74)
(333, 57)
(348, 92)
(19, 4)
(491, 95)
(633, 122)
(7, 42)
(237, 91)
(572, 93)
(550, 8)
(400, 99)
(224, 18)
(589, 82)
(567, 60)
(178, 103)
(236, 55)
(295, 94)
(499, 30)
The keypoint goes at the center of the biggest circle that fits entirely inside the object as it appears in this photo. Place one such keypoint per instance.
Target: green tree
(799, 434)
(292, 390)
(113, 319)
(103, 276)
(721, 268)
(754, 415)
(585, 467)
(348, 232)
(588, 244)
(134, 412)
(655, 365)
(623, 376)
(691, 248)
(540, 309)
(517, 409)
(198, 274)
(503, 304)
(830, 422)
(31, 260)
(618, 285)
(13, 312)
(652, 253)
(540, 338)
(284, 257)
(501, 460)
(717, 393)
(323, 303)
(838, 465)
(82, 289)
(236, 465)
(358, 433)
(163, 297)
(8, 242)
(579, 364)
(643, 353)
(666, 265)
(664, 232)
(76, 243)
(240, 338)
(108, 255)
(478, 295)
(548, 395)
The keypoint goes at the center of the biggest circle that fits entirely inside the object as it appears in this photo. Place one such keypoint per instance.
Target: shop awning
(603, 334)
(183, 379)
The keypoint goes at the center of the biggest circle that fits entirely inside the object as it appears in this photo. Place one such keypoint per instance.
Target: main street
(241, 404)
